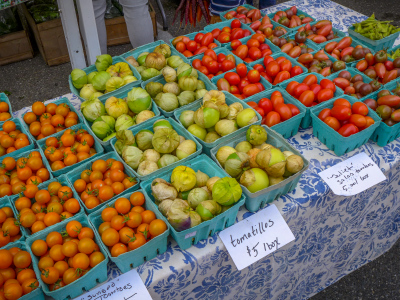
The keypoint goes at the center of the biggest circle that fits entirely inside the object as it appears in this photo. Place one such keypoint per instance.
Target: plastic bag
(113, 10)
(9, 22)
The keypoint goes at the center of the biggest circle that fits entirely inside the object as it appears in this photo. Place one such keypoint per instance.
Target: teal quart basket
(76, 174)
(42, 147)
(134, 258)
(248, 6)
(192, 236)
(332, 139)
(192, 36)
(43, 186)
(58, 102)
(179, 129)
(4, 98)
(306, 122)
(255, 201)
(375, 45)
(6, 202)
(121, 94)
(160, 78)
(92, 68)
(230, 99)
(299, 12)
(19, 125)
(282, 54)
(36, 294)
(291, 126)
(385, 134)
(96, 275)
(227, 23)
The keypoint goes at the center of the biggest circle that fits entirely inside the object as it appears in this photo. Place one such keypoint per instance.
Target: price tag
(257, 236)
(127, 286)
(353, 175)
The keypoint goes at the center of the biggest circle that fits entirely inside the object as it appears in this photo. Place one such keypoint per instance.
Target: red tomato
(326, 112)
(296, 70)
(259, 68)
(284, 111)
(260, 86)
(221, 57)
(310, 79)
(282, 76)
(224, 37)
(307, 98)
(341, 112)
(250, 90)
(211, 53)
(272, 119)
(202, 49)
(187, 53)
(327, 84)
(212, 67)
(299, 89)
(266, 52)
(241, 69)
(286, 65)
(226, 29)
(315, 88)
(196, 63)
(267, 60)
(180, 46)
(242, 51)
(272, 69)
(242, 84)
(232, 77)
(294, 109)
(360, 108)
(191, 46)
(266, 105)
(223, 85)
(358, 120)
(291, 87)
(332, 122)
(252, 104)
(266, 76)
(264, 46)
(206, 59)
(235, 44)
(253, 76)
(280, 59)
(234, 89)
(342, 101)
(216, 32)
(277, 100)
(255, 53)
(237, 34)
(236, 24)
(260, 111)
(203, 70)
(347, 130)
(207, 39)
(198, 37)
(227, 65)
(253, 43)
(259, 37)
(324, 95)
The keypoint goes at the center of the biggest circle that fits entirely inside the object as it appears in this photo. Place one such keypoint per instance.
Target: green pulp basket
(4, 98)
(20, 125)
(6, 202)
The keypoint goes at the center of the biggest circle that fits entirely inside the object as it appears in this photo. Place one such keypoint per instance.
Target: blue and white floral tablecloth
(335, 235)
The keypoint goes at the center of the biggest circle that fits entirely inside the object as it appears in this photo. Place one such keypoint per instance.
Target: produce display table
(335, 235)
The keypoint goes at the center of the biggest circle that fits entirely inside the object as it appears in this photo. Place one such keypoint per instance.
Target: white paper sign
(257, 236)
(127, 286)
(353, 175)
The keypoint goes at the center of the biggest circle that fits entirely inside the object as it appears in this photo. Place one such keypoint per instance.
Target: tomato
(241, 70)
(299, 89)
(285, 65)
(50, 275)
(237, 34)
(272, 119)
(232, 77)
(342, 101)
(315, 88)
(348, 129)
(359, 108)
(223, 84)
(327, 84)
(191, 46)
(296, 70)
(253, 76)
(198, 37)
(250, 90)
(326, 112)
(235, 24)
(307, 98)
(283, 110)
(324, 95)
(242, 51)
(137, 240)
(358, 120)
(254, 53)
(157, 227)
(281, 76)
(272, 68)
(341, 112)
(332, 122)
(235, 44)
(216, 32)
(310, 79)
(224, 37)
(294, 109)
(253, 104)
(227, 65)
(265, 104)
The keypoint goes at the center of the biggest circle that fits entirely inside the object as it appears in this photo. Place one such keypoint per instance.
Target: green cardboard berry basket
(160, 78)
(375, 45)
(332, 139)
(58, 102)
(19, 125)
(121, 94)
(385, 134)
(192, 236)
(291, 126)
(6, 202)
(255, 201)
(92, 68)
(230, 99)
(306, 122)
(248, 6)
(227, 23)
(179, 129)
(43, 186)
(96, 275)
(76, 174)
(42, 147)
(4, 98)
(134, 258)
(36, 294)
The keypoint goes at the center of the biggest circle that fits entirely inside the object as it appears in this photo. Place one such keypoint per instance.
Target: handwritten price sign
(256, 237)
(127, 286)
(353, 175)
